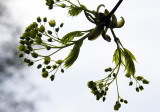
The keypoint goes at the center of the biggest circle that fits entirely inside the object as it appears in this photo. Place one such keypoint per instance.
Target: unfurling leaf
(73, 55)
(75, 10)
(69, 36)
(121, 23)
(129, 62)
(116, 57)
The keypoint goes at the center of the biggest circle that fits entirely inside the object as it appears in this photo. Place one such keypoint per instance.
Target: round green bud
(44, 19)
(39, 35)
(27, 42)
(20, 55)
(141, 88)
(45, 74)
(43, 69)
(106, 88)
(49, 32)
(104, 98)
(21, 47)
(130, 83)
(34, 55)
(108, 69)
(62, 70)
(35, 25)
(139, 78)
(61, 25)
(25, 60)
(145, 81)
(125, 101)
(57, 29)
(59, 62)
(41, 29)
(39, 66)
(27, 51)
(52, 23)
(137, 89)
(50, 6)
(47, 60)
(128, 75)
(30, 48)
(48, 47)
(48, 67)
(121, 100)
(54, 67)
(30, 63)
(52, 77)
(22, 42)
(91, 84)
(38, 40)
(49, 40)
(114, 74)
(38, 19)
(63, 5)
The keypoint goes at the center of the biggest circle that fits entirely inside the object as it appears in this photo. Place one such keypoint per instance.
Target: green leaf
(73, 55)
(116, 57)
(75, 10)
(69, 36)
(129, 62)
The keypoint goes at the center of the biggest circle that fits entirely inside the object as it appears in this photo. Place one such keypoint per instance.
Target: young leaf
(75, 10)
(73, 55)
(69, 36)
(116, 58)
(129, 62)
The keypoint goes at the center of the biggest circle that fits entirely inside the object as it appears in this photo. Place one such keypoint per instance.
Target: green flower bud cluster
(138, 79)
(117, 105)
(50, 3)
(36, 34)
(98, 90)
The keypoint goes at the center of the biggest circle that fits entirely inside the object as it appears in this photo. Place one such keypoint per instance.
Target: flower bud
(49, 32)
(39, 66)
(62, 70)
(45, 74)
(21, 47)
(139, 78)
(52, 23)
(34, 55)
(91, 84)
(41, 29)
(59, 62)
(48, 67)
(137, 89)
(57, 29)
(20, 55)
(47, 60)
(30, 63)
(61, 25)
(38, 19)
(141, 88)
(63, 5)
(52, 77)
(54, 67)
(125, 101)
(44, 19)
(145, 81)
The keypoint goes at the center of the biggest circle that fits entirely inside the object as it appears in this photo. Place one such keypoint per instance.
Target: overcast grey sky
(140, 34)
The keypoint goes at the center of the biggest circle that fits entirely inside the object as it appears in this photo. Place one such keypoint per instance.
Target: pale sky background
(69, 91)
